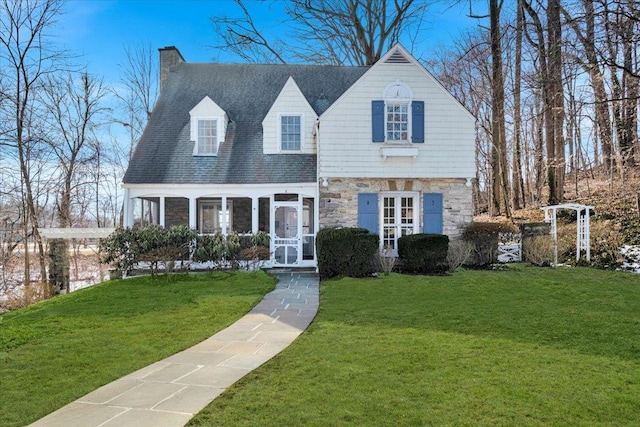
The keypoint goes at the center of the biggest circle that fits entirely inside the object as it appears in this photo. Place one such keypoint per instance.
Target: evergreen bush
(424, 253)
(346, 252)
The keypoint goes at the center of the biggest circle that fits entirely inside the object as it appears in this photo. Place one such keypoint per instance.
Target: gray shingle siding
(246, 92)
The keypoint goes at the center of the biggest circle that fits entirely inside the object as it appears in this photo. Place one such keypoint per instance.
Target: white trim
(162, 211)
(397, 150)
(401, 86)
(75, 233)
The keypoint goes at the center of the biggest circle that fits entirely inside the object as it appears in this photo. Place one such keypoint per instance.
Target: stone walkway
(170, 392)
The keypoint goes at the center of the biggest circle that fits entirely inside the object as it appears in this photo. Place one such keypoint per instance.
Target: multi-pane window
(397, 121)
(399, 218)
(207, 137)
(290, 134)
(212, 219)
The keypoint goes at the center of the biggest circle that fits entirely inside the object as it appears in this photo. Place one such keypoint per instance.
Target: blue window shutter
(377, 121)
(417, 121)
(432, 213)
(368, 212)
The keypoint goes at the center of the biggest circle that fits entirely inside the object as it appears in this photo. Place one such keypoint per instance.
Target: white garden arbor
(583, 235)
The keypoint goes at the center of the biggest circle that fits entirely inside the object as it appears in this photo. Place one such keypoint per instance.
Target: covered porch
(287, 212)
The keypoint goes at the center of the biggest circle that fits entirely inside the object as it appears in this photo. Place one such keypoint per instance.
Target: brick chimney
(170, 57)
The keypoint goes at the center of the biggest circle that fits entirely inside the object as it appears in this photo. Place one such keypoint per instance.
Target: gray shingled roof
(246, 92)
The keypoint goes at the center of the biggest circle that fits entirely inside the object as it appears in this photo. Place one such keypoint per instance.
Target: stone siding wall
(339, 201)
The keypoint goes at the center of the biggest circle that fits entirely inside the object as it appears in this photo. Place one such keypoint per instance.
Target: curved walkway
(170, 392)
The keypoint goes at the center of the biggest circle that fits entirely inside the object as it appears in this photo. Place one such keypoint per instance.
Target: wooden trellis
(583, 234)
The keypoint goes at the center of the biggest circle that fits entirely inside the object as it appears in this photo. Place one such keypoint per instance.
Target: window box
(399, 151)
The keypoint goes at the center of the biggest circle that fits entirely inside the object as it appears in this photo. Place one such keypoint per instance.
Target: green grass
(56, 351)
(524, 347)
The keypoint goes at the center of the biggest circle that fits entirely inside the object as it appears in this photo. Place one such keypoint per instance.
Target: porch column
(192, 212)
(161, 219)
(127, 209)
(225, 221)
(255, 213)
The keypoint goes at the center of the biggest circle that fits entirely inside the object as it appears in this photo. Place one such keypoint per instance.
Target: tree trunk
(500, 201)
(516, 179)
(555, 108)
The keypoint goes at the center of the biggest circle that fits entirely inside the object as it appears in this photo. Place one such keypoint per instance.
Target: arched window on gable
(398, 118)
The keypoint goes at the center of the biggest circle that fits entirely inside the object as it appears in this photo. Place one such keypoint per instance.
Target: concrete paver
(169, 392)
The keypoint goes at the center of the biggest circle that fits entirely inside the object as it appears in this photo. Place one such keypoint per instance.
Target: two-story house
(290, 149)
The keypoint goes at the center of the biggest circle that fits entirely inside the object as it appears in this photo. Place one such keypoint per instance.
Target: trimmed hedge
(345, 252)
(424, 253)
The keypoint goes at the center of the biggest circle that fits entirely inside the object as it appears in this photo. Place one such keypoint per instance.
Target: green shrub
(152, 243)
(119, 250)
(210, 248)
(484, 238)
(424, 253)
(346, 252)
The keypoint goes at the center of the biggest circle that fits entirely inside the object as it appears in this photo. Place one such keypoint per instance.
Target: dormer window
(290, 132)
(207, 143)
(208, 127)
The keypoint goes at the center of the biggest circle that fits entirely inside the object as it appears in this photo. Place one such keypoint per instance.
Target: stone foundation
(339, 200)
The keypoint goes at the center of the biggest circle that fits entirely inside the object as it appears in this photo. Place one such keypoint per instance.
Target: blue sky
(99, 30)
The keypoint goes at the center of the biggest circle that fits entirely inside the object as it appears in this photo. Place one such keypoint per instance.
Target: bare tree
(74, 103)
(548, 42)
(140, 81)
(27, 57)
(352, 32)
(466, 73)
(500, 201)
(585, 31)
(517, 181)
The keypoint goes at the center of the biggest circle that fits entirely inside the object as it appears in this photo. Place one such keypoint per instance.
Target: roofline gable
(398, 48)
(290, 83)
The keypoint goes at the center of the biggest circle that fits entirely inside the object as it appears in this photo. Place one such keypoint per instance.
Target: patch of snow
(632, 255)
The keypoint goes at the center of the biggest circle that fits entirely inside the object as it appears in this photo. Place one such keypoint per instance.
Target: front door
(286, 234)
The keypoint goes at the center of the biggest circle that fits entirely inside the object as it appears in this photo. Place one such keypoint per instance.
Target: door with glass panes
(399, 218)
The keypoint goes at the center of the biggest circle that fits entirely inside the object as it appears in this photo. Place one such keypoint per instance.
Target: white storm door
(286, 228)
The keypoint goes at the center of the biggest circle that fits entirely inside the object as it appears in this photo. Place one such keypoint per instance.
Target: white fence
(510, 247)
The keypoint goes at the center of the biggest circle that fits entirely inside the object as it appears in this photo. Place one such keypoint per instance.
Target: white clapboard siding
(290, 101)
(346, 147)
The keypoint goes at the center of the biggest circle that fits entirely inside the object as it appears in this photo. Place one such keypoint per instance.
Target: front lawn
(528, 346)
(57, 351)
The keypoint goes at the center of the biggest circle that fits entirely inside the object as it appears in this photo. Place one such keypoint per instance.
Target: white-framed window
(397, 121)
(397, 99)
(290, 130)
(399, 217)
(207, 139)
(208, 127)
(211, 217)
